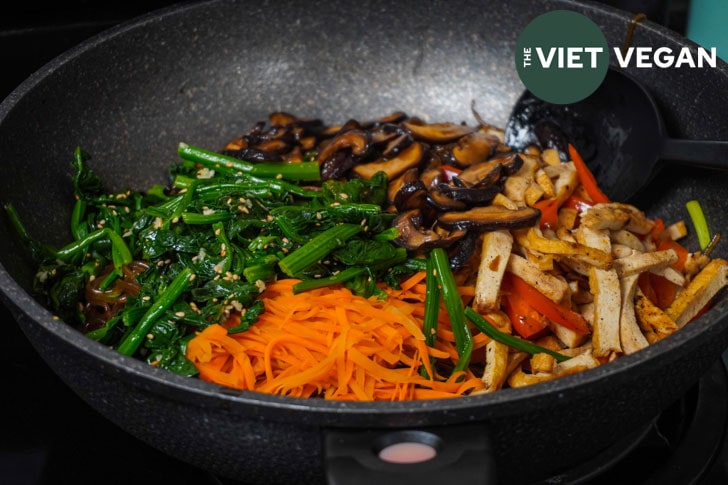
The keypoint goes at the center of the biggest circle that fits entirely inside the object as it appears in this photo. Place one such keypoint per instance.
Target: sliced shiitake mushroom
(409, 175)
(431, 177)
(443, 203)
(414, 237)
(490, 218)
(408, 158)
(411, 195)
(470, 195)
(437, 132)
(482, 173)
(281, 118)
(461, 252)
(475, 148)
(511, 161)
(396, 145)
(357, 141)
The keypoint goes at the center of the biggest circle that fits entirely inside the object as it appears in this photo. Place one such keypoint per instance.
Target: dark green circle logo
(562, 56)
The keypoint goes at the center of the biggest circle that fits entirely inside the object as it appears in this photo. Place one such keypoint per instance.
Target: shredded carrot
(330, 343)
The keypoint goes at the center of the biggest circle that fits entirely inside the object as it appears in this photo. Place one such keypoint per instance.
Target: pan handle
(459, 454)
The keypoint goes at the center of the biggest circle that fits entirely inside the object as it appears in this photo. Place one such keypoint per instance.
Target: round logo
(562, 56)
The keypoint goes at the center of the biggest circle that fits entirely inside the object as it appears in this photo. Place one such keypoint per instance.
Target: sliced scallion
(700, 223)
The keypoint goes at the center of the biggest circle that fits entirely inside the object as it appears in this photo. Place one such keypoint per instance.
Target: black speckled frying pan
(203, 73)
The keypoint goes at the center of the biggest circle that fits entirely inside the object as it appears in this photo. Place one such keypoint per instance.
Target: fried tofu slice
(565, 179)
(578, 363)
(616, 216)
(495, 253)
(591, 256)
(554, 288)
(496, 366)
(604, 285)
(655, 324)
(594, 238)
(626, 238)
(630, 334)
(701, 289)
(640, 262)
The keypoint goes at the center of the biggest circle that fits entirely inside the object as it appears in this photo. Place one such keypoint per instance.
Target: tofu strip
(604, 285)
(496, 251)
(551, 286)
(699, 291)
(630, 334)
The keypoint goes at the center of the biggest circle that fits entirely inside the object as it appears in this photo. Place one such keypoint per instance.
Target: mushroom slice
(395, 185)
(474, 148)
(407, 158)
(412, 195)
(470, 195)
(463, 249)
(281, 118)
(630, 333)
(490, 218)
(355, 140)
(495, 252)
(438, 132)
(711, 279)
(442, 202)
(482, 173)
(432, 176)
(604, 285)
(396, 145)
(413, 237)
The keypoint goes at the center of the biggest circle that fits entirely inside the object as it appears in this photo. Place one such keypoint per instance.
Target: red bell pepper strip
(663, 241)
(586, 177)
(577, 203)
(526, 321)
(658, 289)
(549, 213)
(682, 251)
(544, 305)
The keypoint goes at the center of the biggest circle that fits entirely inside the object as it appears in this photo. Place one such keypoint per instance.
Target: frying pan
(203, 73)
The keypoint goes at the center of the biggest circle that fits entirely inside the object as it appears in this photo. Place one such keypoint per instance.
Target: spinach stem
(318, 247)
(340, 277)
(304, 171)
(133, 340)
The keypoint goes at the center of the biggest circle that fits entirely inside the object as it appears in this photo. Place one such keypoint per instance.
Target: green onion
(699, 223)
(307, 171)
(131, 341)
(455, 308)
(482, 324)
(432, 308)
(318, 247)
